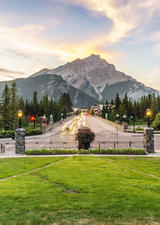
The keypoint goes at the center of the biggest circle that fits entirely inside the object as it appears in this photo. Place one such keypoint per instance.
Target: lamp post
(20, 115)
(133, 120)
(125, 124)
(124, 118)
(20, 135)
(148, 114)
(117, 119)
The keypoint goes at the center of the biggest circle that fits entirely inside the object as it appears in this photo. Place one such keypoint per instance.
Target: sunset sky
(37, 34)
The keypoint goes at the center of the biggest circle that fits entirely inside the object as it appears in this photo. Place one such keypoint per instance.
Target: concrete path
(3, 156)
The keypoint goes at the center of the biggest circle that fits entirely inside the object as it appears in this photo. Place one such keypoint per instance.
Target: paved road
(63, 136)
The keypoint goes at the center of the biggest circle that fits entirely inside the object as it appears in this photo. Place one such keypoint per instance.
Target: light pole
(117, 119)
(124, 118)
(148, 114)
(20, 115)
(125, 124)
(133, 120)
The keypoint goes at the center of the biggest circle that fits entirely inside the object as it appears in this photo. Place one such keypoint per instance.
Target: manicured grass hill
(80, 190)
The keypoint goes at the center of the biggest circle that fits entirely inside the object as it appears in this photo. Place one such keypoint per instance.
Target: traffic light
(132, 116)
(32, 118)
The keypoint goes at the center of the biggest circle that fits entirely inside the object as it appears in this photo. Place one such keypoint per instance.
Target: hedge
(122, 151)
(7, 134)
(11, 133)
(31, 132)
(51, 152)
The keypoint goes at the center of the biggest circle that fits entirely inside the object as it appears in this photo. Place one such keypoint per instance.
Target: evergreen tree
(14, 106)
(103, 112)
(6, 108)
(35, 104)
(27, 108)
(117, 102)
(22, 105)
(66, 101)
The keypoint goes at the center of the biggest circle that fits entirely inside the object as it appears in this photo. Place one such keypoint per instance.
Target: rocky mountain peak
(97, 78)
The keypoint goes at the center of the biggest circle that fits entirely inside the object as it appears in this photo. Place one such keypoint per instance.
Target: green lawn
(80, 190)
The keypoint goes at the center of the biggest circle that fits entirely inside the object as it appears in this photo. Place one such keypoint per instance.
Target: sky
(37, 34)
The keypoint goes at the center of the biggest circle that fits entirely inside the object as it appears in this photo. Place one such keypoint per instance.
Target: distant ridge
(97, 78)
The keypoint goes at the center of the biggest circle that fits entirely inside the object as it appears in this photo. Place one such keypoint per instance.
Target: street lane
(63, 136)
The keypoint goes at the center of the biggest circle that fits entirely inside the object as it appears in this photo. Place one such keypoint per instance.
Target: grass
(80, 190)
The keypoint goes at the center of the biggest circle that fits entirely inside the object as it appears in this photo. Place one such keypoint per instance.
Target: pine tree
(14, 105)
(35, 104)
(104, 112)
(117, 102)
(66, 101)
(22, 105)
(5, 110)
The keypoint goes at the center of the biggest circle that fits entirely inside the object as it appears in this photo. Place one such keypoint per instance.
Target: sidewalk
(3, 156)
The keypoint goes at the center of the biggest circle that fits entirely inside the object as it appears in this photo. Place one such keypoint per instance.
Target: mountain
(99, 79)
(53, 86)
(88, 81)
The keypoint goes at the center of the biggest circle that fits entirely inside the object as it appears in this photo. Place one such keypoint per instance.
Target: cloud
(126, 15)
(26, 42)
(153, 79)
(10, 74)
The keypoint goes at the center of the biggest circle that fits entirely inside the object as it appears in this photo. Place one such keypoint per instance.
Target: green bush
(7, 134)
(84, 151)
(51, 152)
(156, 123)
(30, 132)
(11, 133)
(139, 129)
(121, 151)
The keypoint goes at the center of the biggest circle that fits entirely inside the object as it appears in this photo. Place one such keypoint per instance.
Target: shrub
(7, 134)
(11, 133)
(30, 132)
(84, 139)
(156, 123)
(139, 129)
(84, 151)
(51, 152)
(121, 151)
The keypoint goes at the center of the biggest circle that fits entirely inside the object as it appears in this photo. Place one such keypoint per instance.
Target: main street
(63, 136)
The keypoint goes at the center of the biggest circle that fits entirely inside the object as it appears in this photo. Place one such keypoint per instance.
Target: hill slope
(53, 86)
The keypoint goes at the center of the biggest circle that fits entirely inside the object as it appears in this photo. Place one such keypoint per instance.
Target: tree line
(10, 104)
(126, 107)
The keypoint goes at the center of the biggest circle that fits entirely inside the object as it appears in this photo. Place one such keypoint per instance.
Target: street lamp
(51, 117)
(117, 116)
(133, 120)
(148, 114)
(124, 118)
(117, 119)
(20, 115)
